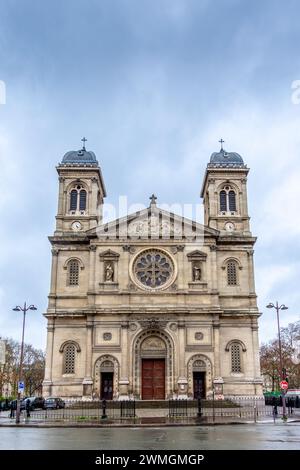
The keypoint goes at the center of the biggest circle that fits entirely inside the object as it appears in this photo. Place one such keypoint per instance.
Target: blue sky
(153, 85)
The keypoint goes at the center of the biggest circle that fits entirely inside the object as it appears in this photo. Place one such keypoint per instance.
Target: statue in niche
(196, 273)
(109, 272)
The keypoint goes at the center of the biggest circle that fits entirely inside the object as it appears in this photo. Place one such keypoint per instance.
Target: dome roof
(223, 158)
(80, 157)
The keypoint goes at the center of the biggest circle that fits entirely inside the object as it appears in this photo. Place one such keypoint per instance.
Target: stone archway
(199, 364)
(153, 344)
(106, 363)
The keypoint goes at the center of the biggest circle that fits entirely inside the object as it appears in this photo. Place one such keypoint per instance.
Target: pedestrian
(13, 407)
(28, 408)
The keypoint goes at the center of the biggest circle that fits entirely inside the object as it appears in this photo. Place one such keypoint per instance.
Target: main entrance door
(199, 384)
(107, 385)
(153, 379)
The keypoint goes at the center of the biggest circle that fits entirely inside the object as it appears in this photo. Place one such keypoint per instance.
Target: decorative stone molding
(107, 336)
(197, 255)
(173, 326)
(109, 255)
(62, 347)
(153, 323)
(243, 346)
(93, 247)
(177, 248)
(55, 251)
(129, 248)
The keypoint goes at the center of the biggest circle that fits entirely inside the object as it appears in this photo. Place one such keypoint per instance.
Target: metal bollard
(104, 415)
(199, 414)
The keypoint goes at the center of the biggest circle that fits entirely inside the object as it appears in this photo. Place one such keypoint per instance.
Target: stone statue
(196, 273)
(109, 272)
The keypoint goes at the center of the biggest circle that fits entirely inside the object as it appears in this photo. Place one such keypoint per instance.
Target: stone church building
(152, 305)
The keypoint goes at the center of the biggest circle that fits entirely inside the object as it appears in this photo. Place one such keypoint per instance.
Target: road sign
(21, 387)
(284, 385)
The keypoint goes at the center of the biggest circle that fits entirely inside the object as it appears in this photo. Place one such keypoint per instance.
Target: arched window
(69, 358)
(223, 204)
(227, 200)
(236, 363)
(82, 200)
(78, 199)
(232, 273)
(232, 202)
(73, 272)
(73, 200)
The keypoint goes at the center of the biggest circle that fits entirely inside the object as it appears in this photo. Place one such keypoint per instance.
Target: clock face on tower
(229, 226)
(76, 226)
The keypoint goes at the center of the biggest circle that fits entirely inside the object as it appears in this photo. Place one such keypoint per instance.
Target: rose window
(153, 269)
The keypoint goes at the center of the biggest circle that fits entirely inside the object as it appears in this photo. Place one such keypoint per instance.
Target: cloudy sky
(153, 85)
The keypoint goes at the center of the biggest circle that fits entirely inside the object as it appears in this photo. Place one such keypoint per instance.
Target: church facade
(152, 305)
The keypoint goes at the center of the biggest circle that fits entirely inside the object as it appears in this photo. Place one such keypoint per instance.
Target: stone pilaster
(124, 381)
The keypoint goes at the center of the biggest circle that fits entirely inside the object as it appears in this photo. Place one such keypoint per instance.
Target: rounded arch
(99, 363)
(62, 347)
(231, 258)
(168, 353)
(236, 341)
(206, 366)
(229, 184)
(73, 258)
(75, 183)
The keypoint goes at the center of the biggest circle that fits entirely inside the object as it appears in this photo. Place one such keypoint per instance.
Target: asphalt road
(279, 436)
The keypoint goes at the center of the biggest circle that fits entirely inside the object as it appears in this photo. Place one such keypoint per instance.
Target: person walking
(27, 408)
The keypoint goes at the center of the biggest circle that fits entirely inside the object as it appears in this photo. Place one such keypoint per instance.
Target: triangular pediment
(152, 223)
(109, 254)
(196, 254)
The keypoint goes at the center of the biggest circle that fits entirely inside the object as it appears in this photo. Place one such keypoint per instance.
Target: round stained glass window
(153, 269)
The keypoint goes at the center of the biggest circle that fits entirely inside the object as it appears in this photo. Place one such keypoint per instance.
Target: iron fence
(87, 411)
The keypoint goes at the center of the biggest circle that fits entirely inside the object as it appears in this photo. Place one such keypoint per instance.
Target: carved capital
(54, 251)
(124, 325)
(129, 248)
(61, 179)
(177, 248)
(213, 248)
(92, 247)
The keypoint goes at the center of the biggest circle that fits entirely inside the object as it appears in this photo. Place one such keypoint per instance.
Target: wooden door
(107, 385)
(199, 384)
(153, 379)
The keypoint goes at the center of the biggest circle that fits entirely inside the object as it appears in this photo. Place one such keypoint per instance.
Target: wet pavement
(279, 436)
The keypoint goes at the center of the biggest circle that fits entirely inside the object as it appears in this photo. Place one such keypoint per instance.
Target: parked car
(35, 402)
(4, 405)
(54, 403)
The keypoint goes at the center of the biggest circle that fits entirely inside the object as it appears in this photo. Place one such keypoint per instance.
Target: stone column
(47, 382)
(213, 268)
(53, 282)
(251, 272)
(124, 381)
(217, 356)
(92, 269)
(182, 379)
(60, 209)
(88, 380)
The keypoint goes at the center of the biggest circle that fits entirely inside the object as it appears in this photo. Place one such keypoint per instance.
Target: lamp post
(282, 374)
(24, 310)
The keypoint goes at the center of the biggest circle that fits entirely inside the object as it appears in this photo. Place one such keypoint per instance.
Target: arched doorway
(106, 377)
(153, 366)
(199, 376)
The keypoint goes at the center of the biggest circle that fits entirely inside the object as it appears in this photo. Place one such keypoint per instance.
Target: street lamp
(24, 310)
(282, 374)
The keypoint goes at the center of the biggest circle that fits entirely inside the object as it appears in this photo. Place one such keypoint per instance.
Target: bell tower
(81, 192)
(224, 193)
